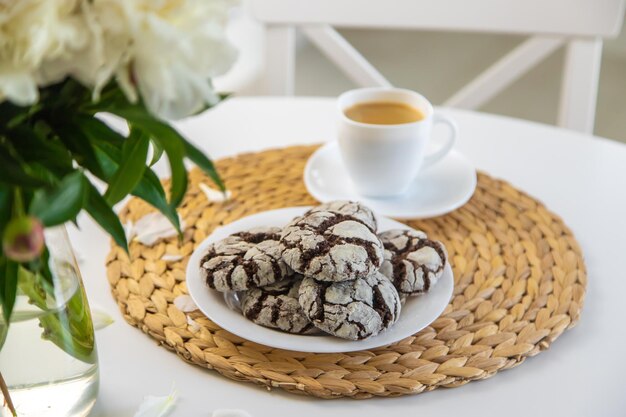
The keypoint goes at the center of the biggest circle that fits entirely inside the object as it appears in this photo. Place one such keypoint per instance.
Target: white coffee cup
(384, 160)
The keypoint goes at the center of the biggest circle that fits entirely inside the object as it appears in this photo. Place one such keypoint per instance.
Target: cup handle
(447, 147)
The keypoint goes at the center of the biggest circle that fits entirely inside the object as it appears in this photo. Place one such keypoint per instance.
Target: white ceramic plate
(417, 312)
(438, 190)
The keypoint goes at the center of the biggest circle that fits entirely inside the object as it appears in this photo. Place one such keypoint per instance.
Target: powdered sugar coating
(413, 262)
(353, 310)
(276, 306)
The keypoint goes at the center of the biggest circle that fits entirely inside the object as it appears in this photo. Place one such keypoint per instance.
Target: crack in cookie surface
(352, 209)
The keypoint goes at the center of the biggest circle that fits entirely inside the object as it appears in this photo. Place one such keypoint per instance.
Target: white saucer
(416, 313)
(438, 190)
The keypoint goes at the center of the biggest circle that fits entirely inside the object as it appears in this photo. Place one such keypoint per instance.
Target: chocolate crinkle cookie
(244, 260)
(352, 209)
(333, 242)
(276, 306)
(413, 262)
(352, 310)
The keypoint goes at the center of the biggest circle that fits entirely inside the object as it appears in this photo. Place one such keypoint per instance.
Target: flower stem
(70, 327)
(18, 205)
(7, 396)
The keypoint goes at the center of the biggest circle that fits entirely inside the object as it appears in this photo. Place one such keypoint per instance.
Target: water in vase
(48, 357)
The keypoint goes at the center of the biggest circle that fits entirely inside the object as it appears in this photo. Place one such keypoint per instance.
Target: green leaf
(164, 135)
(62, 203)
(110, 96)
(157, 152)
(12, 115)
(204, 163)
(43, 173)
(148, 189)
(69, 93)
(33, 148)
(129, 173)
(103, 214)
(10, 112)
(8, 287)
(100, 132)
(175, 151)
(168, 138)
(63, 98)
(6, 206)
(151, 190)
(72, 135)
(14, 173)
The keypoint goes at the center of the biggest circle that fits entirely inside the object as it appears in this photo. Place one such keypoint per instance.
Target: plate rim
(335, 345)
(331, 145)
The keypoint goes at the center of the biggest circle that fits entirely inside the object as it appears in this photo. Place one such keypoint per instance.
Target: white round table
(582, 178)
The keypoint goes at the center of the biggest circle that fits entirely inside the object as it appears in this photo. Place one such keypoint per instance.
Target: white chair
(579, 25)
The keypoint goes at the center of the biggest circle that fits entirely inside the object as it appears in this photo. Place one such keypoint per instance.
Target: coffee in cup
(383, 113)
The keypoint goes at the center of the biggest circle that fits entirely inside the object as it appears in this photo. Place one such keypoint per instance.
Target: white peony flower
(34, 34)
(166, 50)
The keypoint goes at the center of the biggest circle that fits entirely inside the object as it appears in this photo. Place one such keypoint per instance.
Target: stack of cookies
(327, 270)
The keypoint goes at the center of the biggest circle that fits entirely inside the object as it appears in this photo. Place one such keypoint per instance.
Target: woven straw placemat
(519, 283)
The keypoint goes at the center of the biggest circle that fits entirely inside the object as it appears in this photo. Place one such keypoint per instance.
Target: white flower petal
(153, 227)
(164, 65)
(150, 238)
(214, 195)
(193, 325)
(100, 318)
(230, 413)
(19, 87)
(129, 230)
(170, 257)
(154, 221)
(79, 255)
(185, 303)
(156, 406)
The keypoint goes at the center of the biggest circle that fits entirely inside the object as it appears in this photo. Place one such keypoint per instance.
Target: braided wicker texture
(519, 283)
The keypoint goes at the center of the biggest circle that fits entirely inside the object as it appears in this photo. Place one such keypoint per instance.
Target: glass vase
(48, 357)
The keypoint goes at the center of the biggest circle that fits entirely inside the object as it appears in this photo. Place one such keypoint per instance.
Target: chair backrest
(579, 25)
